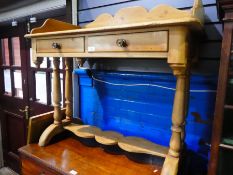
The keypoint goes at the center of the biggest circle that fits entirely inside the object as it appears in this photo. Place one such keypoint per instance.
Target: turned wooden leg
(80, 62)
(38, 61)
(57, 92)
(178, 116)
(171, 163)
(57, 126)
(68, 89)
(186, 107)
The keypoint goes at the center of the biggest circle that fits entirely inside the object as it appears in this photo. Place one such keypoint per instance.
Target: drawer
(30, 167)
(60, 45)
(134, 42)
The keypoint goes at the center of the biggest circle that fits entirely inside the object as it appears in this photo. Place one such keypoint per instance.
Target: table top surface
(70, 154)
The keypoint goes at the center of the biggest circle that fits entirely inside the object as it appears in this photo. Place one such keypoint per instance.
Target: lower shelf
(129, 144)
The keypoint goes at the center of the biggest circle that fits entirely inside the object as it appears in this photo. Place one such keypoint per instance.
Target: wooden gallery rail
(163, 32)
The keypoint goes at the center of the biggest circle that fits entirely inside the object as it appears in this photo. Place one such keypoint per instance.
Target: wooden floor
(70, 153)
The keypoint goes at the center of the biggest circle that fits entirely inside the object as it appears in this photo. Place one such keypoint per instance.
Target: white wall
(32, 9)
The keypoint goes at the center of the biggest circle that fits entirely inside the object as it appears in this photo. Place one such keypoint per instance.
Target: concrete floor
(7, 171)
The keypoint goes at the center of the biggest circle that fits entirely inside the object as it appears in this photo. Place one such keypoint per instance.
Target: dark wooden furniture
(70, 154)
(222, 136)
(20, 101)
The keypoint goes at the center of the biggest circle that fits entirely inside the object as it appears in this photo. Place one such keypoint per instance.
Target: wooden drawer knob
(121, 43)
(56, 46)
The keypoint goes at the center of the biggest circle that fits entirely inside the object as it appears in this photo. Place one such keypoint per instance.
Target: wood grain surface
(69, 154)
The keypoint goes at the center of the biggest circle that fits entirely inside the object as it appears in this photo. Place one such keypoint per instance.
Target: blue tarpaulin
(140, 104)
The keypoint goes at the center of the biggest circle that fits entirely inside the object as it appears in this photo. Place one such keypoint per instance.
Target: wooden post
(186, 107)
(57, 126)
(68, 88)
(178, 113)
(57, 92)
(79, 62)
(171, 163)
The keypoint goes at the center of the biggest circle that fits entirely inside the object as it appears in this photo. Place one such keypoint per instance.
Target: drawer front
(30, 167)
(60, 45)
(135, 42)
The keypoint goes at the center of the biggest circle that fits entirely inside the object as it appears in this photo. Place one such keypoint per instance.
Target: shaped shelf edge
(129, 144)
(52, 25)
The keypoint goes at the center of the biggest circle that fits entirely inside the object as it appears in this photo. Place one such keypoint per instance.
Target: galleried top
(137, 14)
(130, 17)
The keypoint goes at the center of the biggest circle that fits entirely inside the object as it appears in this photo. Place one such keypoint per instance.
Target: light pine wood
(57, 126)
(163, 32)
(116, 55)
(51, 25)
(178, 120)
(84, 131)
(170, 166)
(87, 131)
(135, 42)
(140, 145)
(49, 133)
(162, 15)
(130, 144)
(37, 124)
(198, 10)
(159, 13)
(178, 46)
(108, 137)
(68, 89)
(36, 60)
(67, 45)
(192, 23)
(57, 92)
